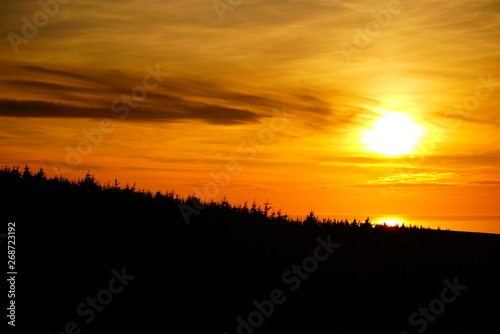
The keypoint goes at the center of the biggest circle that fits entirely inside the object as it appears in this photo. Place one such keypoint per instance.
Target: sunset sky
(273, 98)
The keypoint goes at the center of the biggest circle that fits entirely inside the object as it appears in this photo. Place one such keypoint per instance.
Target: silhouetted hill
(79, 240)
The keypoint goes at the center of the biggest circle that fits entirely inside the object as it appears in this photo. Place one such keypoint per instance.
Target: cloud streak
(197, 112)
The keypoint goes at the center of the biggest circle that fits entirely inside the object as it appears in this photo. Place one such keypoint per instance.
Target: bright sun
(392, 134)
(389, 221)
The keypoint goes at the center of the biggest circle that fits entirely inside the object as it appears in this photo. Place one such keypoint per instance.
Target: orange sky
(295, 82)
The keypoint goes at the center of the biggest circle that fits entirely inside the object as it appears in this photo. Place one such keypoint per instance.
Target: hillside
(233, 269)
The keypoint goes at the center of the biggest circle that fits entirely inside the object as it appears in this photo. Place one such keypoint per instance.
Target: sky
(262, 100)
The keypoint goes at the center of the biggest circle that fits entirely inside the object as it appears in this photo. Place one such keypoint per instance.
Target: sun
(393, 134)
(389, 221)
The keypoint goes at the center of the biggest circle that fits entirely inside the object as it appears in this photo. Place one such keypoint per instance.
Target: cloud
(327, 3)
(485, 183)
(409, 180)
(13, 108)
(71, 94)
(46, 71)
(487, 159)
(190, 111)
(413, 178)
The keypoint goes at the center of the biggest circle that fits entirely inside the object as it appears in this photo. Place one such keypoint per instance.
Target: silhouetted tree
(40, 174)
(311, 220)
(267, 207)
(26, 173)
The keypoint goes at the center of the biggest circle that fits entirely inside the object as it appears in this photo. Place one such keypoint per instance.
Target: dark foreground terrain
(105, 259)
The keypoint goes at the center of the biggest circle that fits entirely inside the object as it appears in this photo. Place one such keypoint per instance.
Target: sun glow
(389, 221)
(392, 134)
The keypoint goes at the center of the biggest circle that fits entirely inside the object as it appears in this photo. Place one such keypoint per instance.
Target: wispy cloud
(169, 113)
(427, 178)
(486, 183)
